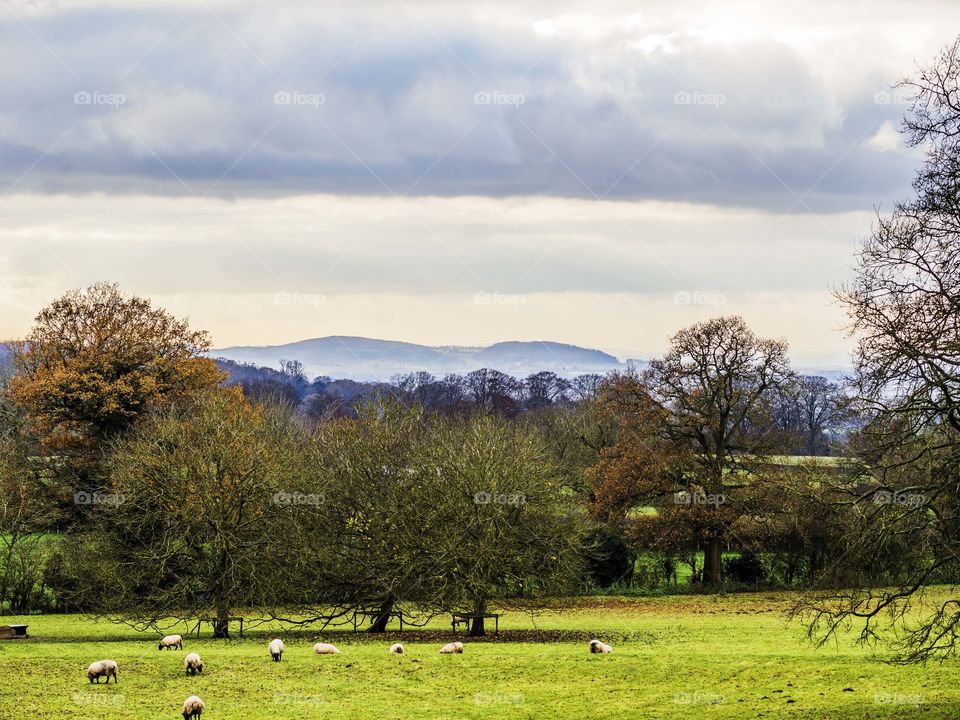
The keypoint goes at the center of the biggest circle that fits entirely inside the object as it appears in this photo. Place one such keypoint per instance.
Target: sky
(599, 173)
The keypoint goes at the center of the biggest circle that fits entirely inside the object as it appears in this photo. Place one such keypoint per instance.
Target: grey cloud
(393, 110)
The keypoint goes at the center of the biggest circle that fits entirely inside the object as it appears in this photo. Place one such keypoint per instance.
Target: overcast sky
(598, 173)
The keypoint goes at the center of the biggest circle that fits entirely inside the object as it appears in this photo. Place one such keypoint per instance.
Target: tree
(492, 390)
(375, 523)
(97, 360)
(574, 434)
(608, 557)
(904, 306)
(194, 523)
(813, 412)
(639, 464)
(293, 369)
(269, 391)
(544, 388)
(502, 526)
(28, 509)
(419, 388)
(586, 387)
(717, 383)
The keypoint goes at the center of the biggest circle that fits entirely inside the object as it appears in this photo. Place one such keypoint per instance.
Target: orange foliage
(96, 360)
(643, 464)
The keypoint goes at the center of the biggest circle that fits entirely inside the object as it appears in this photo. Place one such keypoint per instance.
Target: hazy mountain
(368, 359)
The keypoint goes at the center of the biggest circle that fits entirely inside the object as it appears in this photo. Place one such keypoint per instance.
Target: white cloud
(887, 139)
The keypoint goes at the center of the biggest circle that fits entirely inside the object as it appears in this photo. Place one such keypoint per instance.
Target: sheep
(193, 664)
(102, 668)
(397, 649)
(325, 649)
(192, 707)
(170, 642)
(454, 648)
(598, 647)
(276, 649)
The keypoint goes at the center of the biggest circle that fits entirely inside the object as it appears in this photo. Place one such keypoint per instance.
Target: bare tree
(718, 382)
(544, 388)
(814, 413)
(904, 305)
(492, 390)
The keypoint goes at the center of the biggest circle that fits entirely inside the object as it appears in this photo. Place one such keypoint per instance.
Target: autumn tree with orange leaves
(694, 423)
(98, 359)
(642, 464)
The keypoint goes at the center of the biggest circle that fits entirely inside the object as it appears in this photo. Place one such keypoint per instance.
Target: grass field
(694, 656)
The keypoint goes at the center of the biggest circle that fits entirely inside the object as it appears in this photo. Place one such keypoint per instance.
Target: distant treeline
(814, 414)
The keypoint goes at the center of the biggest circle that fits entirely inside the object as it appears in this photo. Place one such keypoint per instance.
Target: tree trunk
(221, 624)
(711, 562)
(814, 560)
(379, 624)
(476, 627)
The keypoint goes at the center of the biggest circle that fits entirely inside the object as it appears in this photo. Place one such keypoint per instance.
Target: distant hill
(361, 358)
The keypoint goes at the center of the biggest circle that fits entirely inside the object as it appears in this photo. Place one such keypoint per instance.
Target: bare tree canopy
(718, 383)
(904, 305)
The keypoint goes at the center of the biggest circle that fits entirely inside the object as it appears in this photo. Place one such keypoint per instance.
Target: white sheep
(454, 648)
(598, 647)
(276, 649)
(325, 649)
(397, 649)
(102, 668)
(170, 642)
(193, 664)
(192, 707)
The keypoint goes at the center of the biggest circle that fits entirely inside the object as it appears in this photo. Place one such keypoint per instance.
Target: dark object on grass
(746, 568)
(609, 559)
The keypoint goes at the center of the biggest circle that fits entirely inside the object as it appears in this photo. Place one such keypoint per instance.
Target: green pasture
(731, 656)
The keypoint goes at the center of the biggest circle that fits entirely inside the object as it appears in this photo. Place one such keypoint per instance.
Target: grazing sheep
(397, 649)
(102, 668)
(276, 649)
(598, 647)
(454, 648)
(170, 642)
(193, 664)
(192, 707)
(325, 649)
